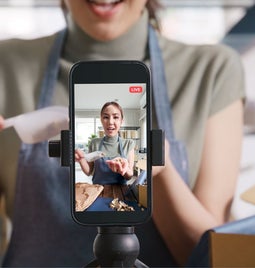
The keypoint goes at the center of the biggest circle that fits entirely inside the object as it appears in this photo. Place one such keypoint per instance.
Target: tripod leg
(92, 264)
(139, 264)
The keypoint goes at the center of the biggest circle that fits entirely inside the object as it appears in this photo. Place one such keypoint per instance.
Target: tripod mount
(116, 246)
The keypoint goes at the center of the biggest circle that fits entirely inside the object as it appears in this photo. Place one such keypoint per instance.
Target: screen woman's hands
(119, 165)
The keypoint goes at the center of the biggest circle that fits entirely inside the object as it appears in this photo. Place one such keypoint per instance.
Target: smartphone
(110, 124)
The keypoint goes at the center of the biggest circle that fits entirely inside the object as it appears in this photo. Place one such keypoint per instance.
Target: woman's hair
(62, 5)
(115, 104)
(153, 6)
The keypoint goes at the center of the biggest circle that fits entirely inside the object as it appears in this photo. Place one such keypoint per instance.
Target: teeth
(104, 1)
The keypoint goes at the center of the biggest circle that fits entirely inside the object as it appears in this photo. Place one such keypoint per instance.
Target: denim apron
(102, 173)
(148, 234)
(44, 233)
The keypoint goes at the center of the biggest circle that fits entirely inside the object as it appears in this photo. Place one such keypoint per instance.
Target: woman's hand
(1, 123)
(79, 155)
(118, 165)
(85, 166)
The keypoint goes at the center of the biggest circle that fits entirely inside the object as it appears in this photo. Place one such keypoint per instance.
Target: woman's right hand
(79, 155)
(85, 166)
(1, 123)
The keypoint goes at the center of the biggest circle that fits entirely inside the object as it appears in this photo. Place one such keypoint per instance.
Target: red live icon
(135, 89)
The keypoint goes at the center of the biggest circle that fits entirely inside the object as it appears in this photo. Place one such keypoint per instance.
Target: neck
(111, 139)
(80, 46)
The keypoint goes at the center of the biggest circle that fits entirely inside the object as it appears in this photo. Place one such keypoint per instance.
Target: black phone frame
(101, 72)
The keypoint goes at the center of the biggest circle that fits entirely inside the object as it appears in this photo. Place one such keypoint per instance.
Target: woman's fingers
(118, 165)
(79, 154)
(1, 122)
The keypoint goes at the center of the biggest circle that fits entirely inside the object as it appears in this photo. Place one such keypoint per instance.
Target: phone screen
(110, 126)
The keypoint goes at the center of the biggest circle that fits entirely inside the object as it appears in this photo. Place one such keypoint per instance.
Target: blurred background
(190, 21)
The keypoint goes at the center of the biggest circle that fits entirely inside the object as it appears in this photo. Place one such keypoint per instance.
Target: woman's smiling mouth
(101, 2)
(104, 8)
(110, 128)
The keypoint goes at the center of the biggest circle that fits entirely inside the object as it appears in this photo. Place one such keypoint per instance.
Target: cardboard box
(142, 195)
(232, 250)
(249, 195)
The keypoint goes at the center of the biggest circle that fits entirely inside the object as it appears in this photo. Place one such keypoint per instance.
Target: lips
(104, 8)
(104, 1)
(110, 129)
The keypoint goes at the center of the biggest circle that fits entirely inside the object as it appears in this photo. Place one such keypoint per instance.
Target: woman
(115, 167)
(206, 116)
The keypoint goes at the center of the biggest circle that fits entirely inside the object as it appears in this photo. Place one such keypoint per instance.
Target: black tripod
(116, 246)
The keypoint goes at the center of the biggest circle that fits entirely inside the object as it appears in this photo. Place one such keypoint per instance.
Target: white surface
(240, 208)
(82, 177)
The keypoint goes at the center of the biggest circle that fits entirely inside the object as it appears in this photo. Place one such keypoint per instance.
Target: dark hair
(114, 104)
(153, 6)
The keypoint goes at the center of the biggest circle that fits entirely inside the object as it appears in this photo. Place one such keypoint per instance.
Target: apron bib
(44, 233)
(103, 174)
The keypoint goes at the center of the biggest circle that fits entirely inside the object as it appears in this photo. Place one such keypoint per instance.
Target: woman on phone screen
(116, 167)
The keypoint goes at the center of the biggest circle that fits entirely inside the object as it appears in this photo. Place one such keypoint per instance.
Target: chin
(106, 33)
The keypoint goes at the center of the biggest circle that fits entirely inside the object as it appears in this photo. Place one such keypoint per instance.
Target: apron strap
(159, 84)
(51, 73)
(162, 106)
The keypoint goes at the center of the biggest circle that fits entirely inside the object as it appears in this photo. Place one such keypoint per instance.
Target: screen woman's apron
(44, 233)
(102, 173)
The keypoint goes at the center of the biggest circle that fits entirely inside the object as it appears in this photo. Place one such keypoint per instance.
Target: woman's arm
(130, 167)
(181, 215)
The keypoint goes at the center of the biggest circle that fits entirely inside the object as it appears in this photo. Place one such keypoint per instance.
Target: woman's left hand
(118, 165)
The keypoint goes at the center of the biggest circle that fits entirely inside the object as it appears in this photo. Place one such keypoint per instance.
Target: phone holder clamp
(62, 148)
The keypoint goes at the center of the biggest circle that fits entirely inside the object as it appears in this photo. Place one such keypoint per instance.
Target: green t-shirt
(111, 146)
